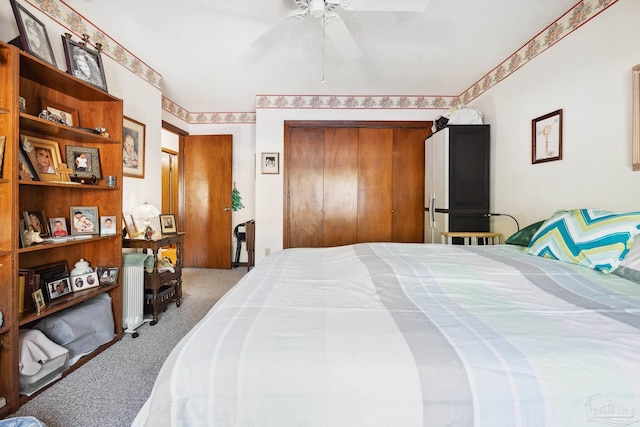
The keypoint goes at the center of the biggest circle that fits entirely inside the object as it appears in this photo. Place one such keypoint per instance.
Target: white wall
(270, 138)
(588, 75)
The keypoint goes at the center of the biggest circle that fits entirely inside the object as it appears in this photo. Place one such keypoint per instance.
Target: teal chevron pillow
(590, 237)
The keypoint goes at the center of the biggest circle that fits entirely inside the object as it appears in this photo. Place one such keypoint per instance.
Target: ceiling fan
(334, 28)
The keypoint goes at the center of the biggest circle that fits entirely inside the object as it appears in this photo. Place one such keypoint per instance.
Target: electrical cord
(503, 214)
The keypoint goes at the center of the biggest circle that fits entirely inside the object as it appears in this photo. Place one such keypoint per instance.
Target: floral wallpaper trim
(577, 16)
(78, 25)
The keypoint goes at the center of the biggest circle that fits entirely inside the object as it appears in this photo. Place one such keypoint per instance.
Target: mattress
(390, 334)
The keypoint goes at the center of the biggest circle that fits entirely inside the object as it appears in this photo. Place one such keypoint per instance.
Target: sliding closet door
(408, 185)
(375, 178)
(305, 175)
(340, 225)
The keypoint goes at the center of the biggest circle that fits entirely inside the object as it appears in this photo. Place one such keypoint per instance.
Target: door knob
(226, 209)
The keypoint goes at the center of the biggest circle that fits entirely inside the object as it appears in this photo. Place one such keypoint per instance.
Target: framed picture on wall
(546, 137)
(133, 135)
(270, 163)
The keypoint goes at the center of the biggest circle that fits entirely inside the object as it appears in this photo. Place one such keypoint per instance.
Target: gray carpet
(109, 390)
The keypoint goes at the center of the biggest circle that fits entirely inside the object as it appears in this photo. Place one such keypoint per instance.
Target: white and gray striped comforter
(395, 335)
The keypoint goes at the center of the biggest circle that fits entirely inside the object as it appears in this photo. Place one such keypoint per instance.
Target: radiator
(132, 298)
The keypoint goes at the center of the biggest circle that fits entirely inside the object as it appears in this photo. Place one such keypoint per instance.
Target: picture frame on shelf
(38, 300)
(67, 114)
(33, 34)
(85, 281)
(270, 163)
(107, 275)
(546, 137)
(84, 220)
(108, 225)
(130, 226)
(58, 227)
(84, 63)
(44, 156)
(3, 141)
(133, 143)
(84, 162)
(21, 229)
(168, 224)
(58, 288)
(26, 171)
(36, 221)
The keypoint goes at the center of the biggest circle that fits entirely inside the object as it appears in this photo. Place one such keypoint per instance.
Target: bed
(393, 334)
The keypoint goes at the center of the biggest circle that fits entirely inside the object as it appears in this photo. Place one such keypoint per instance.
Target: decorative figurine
(30, 237)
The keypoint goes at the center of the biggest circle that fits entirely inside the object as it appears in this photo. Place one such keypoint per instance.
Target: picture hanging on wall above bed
(546, 137)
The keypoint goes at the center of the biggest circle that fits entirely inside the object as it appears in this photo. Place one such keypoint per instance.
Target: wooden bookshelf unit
(23, 75)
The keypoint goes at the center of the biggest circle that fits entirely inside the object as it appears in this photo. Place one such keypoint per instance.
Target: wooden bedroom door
(207, 201)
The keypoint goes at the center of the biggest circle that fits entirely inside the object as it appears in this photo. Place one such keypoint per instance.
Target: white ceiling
(202, 47)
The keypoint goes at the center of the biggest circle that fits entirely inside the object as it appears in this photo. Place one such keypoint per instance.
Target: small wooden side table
(471, 237)
(161, 287)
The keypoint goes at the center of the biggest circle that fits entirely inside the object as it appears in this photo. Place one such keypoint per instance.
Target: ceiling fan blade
(341, 37)
(275, 33)
(389, 5)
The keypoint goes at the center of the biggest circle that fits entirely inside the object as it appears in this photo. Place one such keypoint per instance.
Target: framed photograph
(44, 156)
(133, 141)
(270, 163)
(546, 137)
(84, 63)
(84, 161)
(58, 288)
(168, 224)
(38, 299)
(84, 220)
(107, 225)
(26, 171)
(21, 227)
(107, 275)
(36, 221)
(85, 281)
(3, 140)
(33, 34)
(68, 115)
(130, 225)
(58, 227)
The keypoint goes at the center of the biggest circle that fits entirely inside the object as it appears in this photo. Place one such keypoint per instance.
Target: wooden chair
(471, 237)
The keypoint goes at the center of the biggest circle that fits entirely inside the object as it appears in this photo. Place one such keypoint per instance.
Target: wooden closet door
(408, 184)
(305, 164)
(375, 177)
(340, 222)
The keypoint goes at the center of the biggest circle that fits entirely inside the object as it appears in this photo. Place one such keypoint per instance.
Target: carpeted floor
(109, 390)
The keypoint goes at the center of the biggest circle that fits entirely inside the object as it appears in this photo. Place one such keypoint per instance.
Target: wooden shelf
(70, 300)
(24, 75)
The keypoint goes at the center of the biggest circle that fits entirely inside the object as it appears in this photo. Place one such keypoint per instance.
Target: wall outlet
(267, 251)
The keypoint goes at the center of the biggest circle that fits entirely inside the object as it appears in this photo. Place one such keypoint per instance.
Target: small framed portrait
(130, 226)
(58, 288)
(84, 220)
(3, 140)
(58, 227)
(68, 115)
(44, 156)
(270, 163)
(168, 224)
(36, 221)
(107, 225)
(84, 161)
(107, 275)
(84, 63)
(133, 140)
(546, 138)
(26, 172)
(85, 281)
(38, 299)
(33, 34)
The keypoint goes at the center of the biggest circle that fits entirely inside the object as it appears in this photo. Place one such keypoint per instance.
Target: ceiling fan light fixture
(317, 8)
